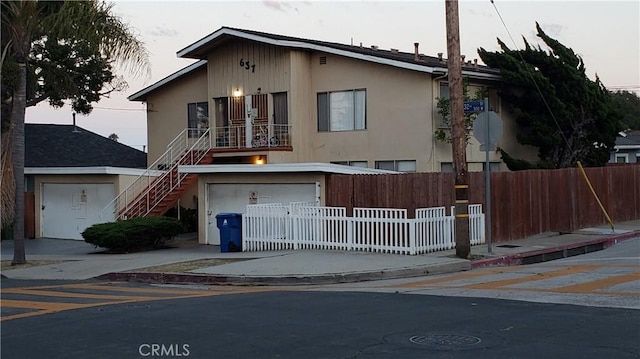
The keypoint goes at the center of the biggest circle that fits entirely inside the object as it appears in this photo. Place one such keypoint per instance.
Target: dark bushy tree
(628, 104)
(584, 123)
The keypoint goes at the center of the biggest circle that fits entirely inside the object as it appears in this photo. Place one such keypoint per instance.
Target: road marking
(451, 278)
(528, 278)
(599, 284)
(70, 291)
(59, 294)
(594, 286)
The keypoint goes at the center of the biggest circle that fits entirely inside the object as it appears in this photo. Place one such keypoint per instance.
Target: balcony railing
(260, 136)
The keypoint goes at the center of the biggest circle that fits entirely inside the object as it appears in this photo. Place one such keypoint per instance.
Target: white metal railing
(381, 230)
(260, 136)
(162, 176)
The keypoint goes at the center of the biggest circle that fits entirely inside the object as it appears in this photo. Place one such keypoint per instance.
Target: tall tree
(36, 37)
(559, 110)
(628, 104)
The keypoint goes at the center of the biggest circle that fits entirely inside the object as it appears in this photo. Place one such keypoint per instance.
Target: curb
(183, 278)
(552, 253)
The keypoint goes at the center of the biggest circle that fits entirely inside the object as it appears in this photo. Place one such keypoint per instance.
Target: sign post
(487, 129)
(487, 183)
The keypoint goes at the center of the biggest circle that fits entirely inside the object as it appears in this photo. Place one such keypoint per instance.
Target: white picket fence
(303, 225)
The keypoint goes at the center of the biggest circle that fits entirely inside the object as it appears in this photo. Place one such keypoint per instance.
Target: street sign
(473, 106)
(487, 129)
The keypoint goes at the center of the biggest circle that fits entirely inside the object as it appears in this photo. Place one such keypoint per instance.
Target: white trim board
(282, 168)
(105, 170)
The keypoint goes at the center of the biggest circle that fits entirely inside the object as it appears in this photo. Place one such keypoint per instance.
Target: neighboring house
(71, 175)
(259, 98)
(627, 148)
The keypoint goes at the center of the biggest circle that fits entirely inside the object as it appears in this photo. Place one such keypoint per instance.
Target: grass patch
(183, 267)
(6, 265)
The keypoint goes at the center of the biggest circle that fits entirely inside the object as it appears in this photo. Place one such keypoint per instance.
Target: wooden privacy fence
(380, 230)
(523, 203)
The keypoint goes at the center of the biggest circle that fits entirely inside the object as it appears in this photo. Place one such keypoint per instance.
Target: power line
(120, 109)
(544, 100)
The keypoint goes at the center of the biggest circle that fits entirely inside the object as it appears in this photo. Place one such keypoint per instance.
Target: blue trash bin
(230, 226)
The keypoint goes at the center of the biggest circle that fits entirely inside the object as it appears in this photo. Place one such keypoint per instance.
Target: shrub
(188, 217)
(133, 234)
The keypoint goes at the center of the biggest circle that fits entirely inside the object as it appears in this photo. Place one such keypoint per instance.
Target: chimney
(440, 56)
(462, 57)
(475, 62)
(416, 56)
(394, 51)
(75, 128)
(374, 47)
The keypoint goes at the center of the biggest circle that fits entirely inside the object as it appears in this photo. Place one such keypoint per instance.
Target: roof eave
(96, 170)
(142, 94)
(191, 51)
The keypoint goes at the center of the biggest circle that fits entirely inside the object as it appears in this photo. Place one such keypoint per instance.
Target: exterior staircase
(158, 189)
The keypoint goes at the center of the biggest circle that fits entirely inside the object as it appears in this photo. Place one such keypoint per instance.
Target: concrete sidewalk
(79, 260)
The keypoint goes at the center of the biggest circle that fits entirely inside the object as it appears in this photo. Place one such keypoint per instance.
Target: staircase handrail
(201, 147)
(175, 150)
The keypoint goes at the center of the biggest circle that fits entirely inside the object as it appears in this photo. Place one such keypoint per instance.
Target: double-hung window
(342, 110)
(400, 166)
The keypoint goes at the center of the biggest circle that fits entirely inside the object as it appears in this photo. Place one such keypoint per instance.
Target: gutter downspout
(433, 123)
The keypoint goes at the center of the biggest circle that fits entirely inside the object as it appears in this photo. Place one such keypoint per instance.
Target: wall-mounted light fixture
(260, 160)
(237, 92)
(259, 89)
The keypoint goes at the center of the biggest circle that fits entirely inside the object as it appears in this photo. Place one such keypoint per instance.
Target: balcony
(254, 137)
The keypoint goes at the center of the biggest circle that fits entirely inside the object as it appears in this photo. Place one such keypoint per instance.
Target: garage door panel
(234, 198)
(69, 208)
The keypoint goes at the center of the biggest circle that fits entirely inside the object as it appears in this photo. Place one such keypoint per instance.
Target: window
(622, 157)
(342, 111)
(446, 167)
(493, 96)
(444, 95)
(400, 166)
(494, 100)
(493, 166)
(198, 118)
(361, 164)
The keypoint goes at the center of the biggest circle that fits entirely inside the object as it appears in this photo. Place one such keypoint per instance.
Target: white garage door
(234, 198)
(69, 208)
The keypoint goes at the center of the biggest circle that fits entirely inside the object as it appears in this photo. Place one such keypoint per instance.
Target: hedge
(133, 234)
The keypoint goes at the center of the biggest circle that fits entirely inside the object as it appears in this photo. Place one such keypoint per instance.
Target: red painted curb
(516, 258)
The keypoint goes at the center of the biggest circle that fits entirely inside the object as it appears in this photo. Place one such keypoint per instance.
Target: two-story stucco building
(259, 98)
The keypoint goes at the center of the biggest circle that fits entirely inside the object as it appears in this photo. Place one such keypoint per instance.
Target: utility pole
(458, 138)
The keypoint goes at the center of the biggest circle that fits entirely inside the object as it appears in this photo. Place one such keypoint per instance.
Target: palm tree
(23, 22)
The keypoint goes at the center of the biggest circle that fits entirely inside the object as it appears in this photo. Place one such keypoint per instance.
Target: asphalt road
(607, 278)
(450, 316)
(311, 324)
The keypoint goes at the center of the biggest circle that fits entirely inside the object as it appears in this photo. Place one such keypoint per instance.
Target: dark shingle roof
(386, 54)
(48, 145)
(632, 139)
